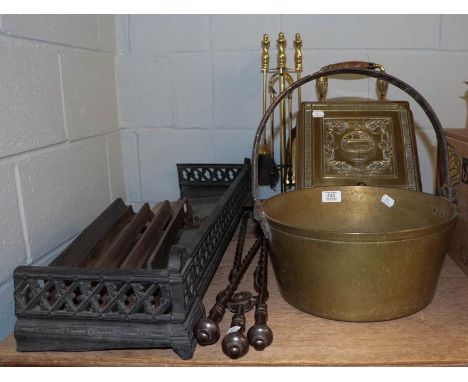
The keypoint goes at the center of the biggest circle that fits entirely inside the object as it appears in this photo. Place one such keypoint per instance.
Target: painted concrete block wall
(190, 85)
(61, 156)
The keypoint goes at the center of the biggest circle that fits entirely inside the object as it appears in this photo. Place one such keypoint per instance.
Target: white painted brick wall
(7, 308)
(193, 75)
(454, 31)
(30, 99)
(132, 164)
(365, 31)
(115, 160)
(61, 157)
(232, 144)
(230, 32)
(186, 73)
(145, 86)
(11, 232)
(75, 30)
(151, 35)
(169, 146)
(89, 93)
(106, 33)
(236, 89)
(66, 199)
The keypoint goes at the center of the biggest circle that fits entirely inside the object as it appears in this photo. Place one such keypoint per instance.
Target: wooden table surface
(437, 335)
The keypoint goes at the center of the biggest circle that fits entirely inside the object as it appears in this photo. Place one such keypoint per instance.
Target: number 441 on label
(331, 196)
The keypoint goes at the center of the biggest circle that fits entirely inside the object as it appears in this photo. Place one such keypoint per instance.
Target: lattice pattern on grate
(211, 242)
(92, 298)
(191, 175)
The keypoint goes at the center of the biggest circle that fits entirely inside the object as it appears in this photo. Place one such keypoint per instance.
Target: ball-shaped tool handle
(235, 345)
(207, 331)
(260, 336)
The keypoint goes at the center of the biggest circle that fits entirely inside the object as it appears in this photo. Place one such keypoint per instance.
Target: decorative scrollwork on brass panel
(454, 165)
(308, 149)
(357, 147)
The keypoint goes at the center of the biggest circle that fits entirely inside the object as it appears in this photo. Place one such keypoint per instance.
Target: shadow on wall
(427, 155)
(466, 101)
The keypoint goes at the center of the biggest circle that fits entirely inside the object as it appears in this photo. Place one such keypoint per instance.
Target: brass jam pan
(358, 259)
(355, 258)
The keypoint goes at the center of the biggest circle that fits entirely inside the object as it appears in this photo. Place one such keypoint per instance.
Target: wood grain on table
(437, 335)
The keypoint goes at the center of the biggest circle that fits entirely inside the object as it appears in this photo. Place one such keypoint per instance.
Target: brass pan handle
(322, 82)
(445, 189)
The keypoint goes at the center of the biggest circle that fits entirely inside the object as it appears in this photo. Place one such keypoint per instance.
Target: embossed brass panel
(356, 142)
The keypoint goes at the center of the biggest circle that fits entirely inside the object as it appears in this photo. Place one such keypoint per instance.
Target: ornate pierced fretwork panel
(90, 299)
(204, 257)
(192, 175)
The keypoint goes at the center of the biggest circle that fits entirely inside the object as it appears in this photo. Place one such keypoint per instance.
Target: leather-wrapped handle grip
(322, 82)
(445, 189)
(354, 65)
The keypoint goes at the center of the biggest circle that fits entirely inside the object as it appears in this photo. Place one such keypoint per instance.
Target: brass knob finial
(265, 53)
(382, 87)
(298, 52)
(281, 51)
(322, 87)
